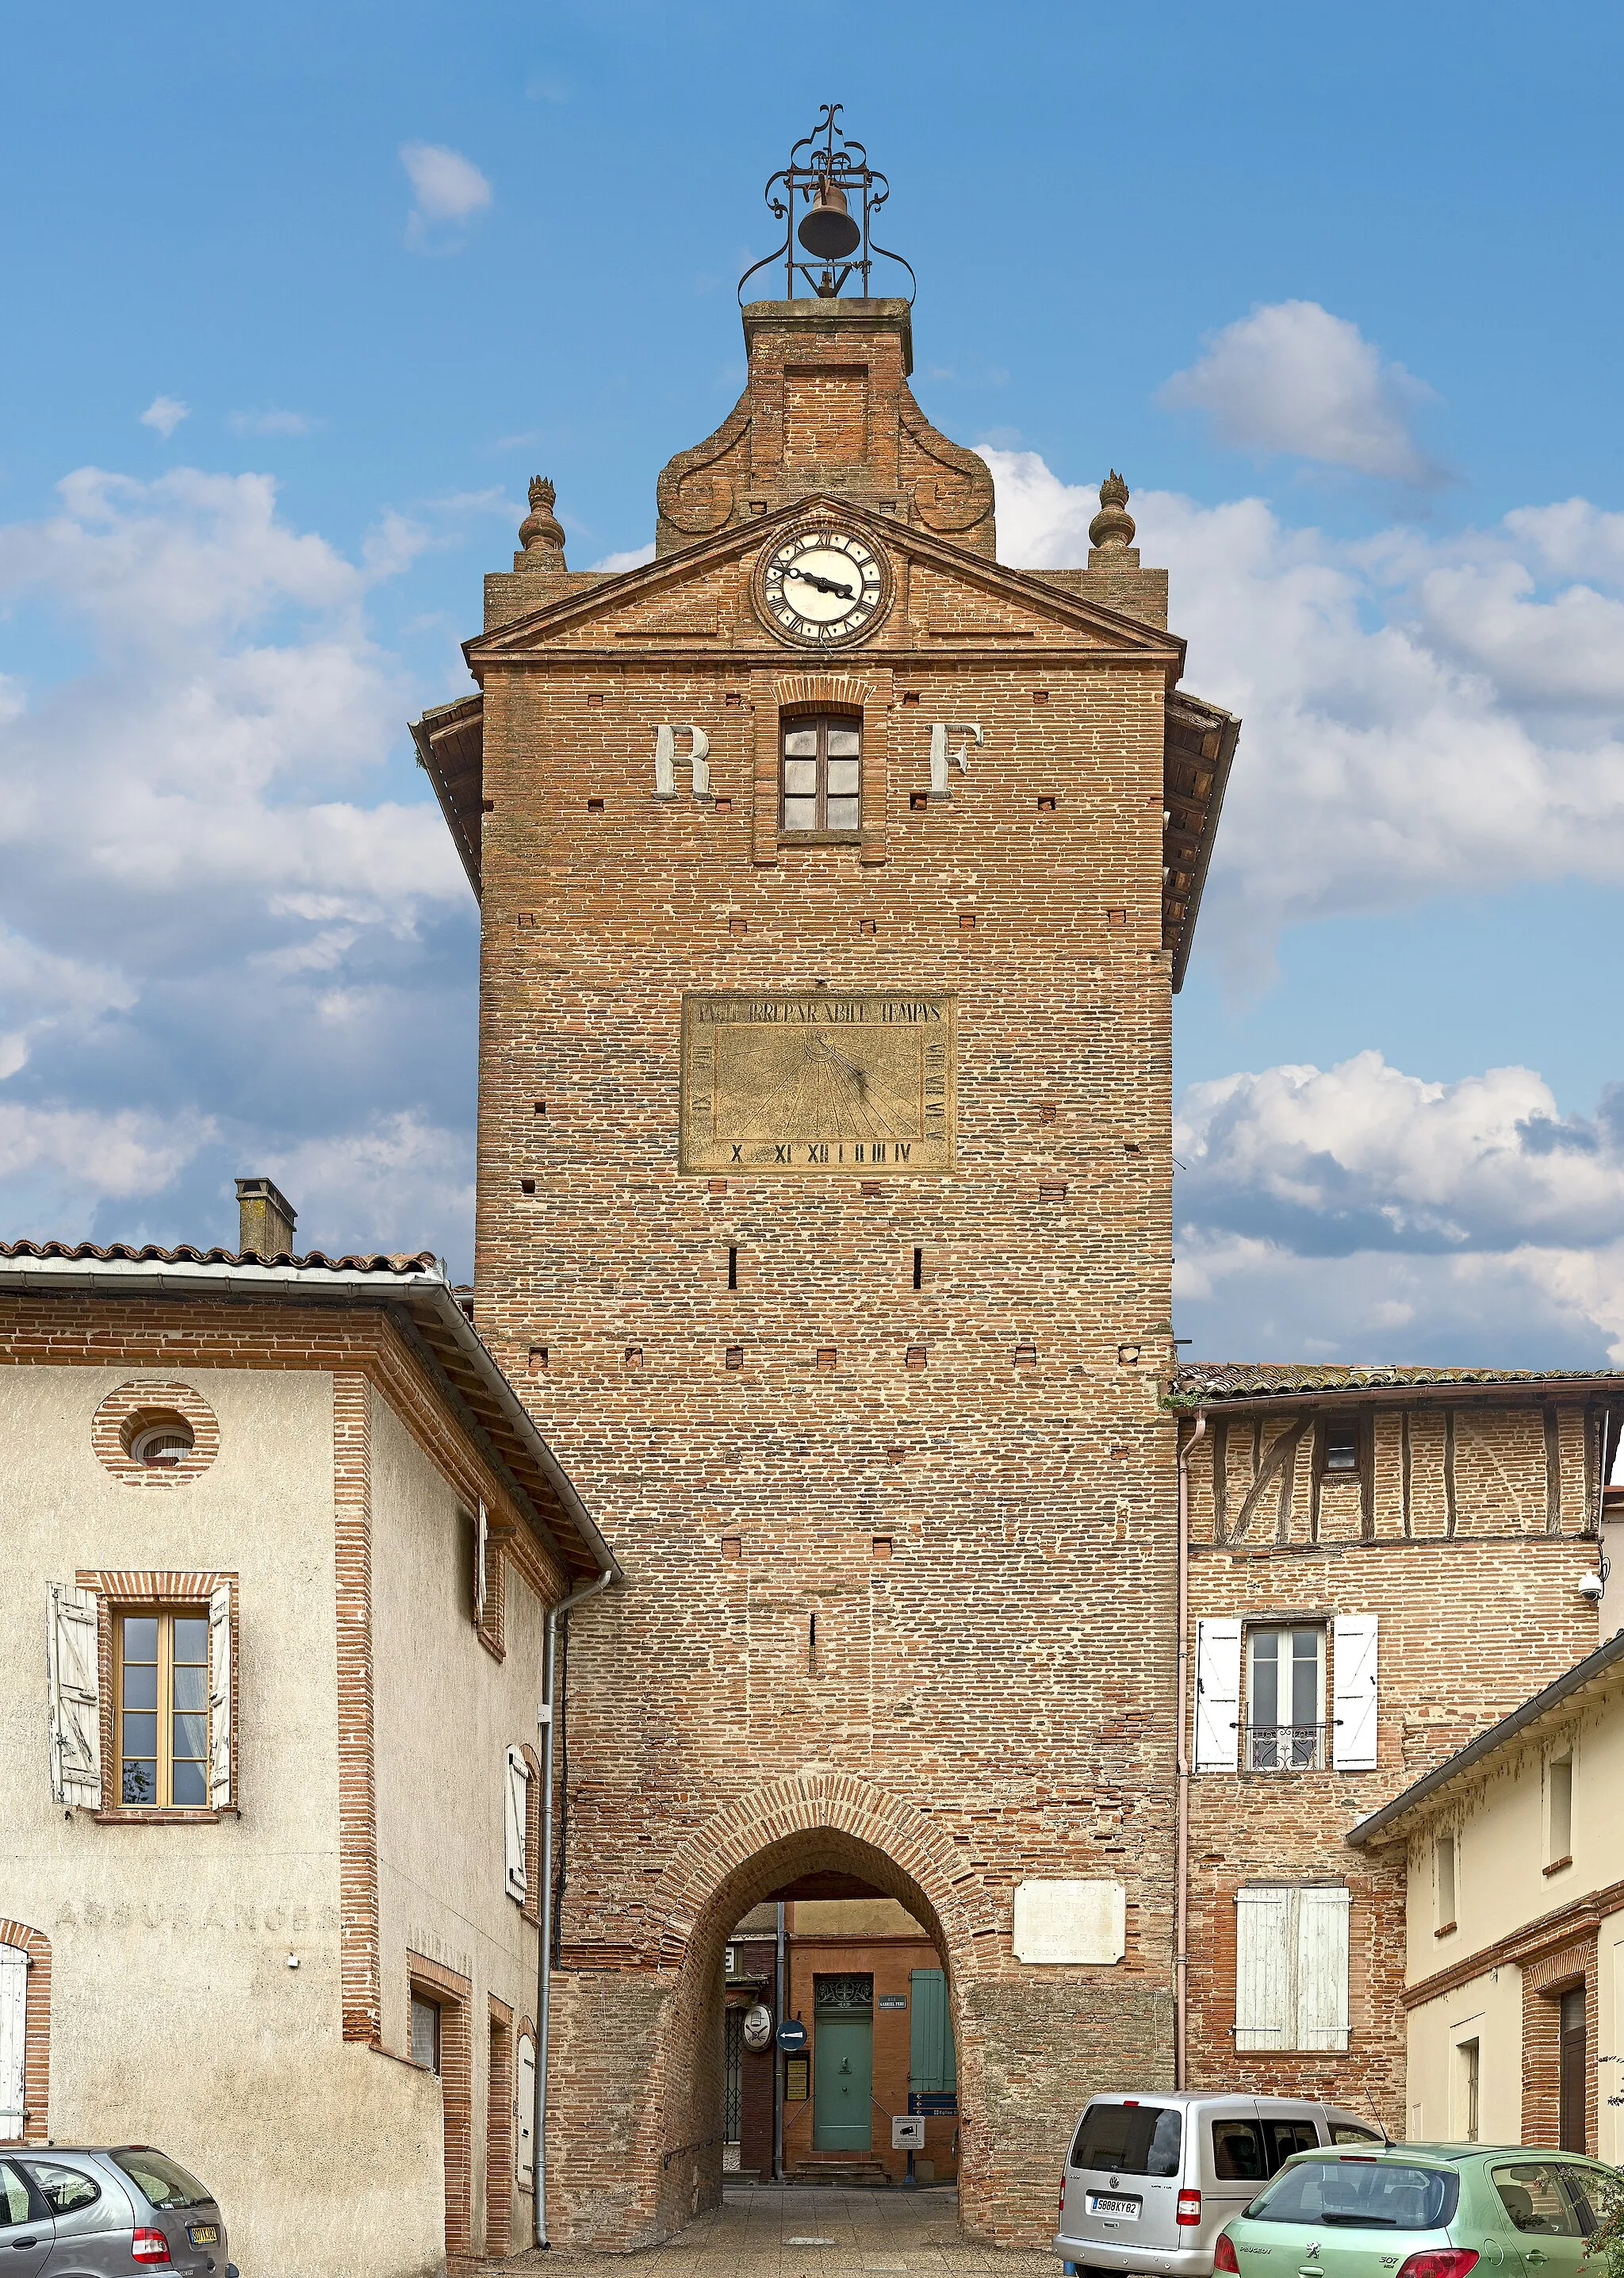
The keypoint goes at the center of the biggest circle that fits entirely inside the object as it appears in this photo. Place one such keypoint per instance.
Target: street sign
(791, 2035)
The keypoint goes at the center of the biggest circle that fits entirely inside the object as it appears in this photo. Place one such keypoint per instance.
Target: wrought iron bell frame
(827, 159)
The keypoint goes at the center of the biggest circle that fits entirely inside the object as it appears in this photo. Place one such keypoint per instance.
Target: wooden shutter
(524, 2114)
(220, 1795)
(518, 1796)
(1265, 1956)
(933, 2068)
(75, 1682)
(481, 1538)
(1353, 1697)
(1217, 1695)
(13, 2029)
(1322, 1968)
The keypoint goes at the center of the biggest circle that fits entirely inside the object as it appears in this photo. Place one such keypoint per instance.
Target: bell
(827, 230)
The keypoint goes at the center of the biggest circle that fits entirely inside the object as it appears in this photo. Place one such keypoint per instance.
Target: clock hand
(823, 585)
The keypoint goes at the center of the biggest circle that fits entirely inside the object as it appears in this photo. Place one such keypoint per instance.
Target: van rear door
(1123, 2176)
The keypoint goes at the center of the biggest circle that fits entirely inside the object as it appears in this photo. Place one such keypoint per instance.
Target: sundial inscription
(818, 1082)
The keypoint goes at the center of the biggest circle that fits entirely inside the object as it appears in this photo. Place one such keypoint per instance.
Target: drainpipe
(543, 1959)
(778, 2062)
(1181, 1871)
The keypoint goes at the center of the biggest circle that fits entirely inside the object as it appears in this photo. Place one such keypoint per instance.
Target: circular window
(156, 1434)
(160, 1445)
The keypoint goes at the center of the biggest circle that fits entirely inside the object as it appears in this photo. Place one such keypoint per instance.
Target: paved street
(814, 2230)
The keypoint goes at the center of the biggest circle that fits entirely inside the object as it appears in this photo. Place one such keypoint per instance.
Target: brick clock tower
(835, 881)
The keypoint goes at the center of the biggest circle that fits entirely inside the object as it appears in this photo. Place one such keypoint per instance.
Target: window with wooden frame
(820, 772)
(161, 1707)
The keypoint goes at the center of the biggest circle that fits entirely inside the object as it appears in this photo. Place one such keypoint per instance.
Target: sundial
(824, 1082)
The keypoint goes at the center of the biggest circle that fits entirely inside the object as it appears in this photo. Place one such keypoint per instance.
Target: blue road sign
(791, 2035)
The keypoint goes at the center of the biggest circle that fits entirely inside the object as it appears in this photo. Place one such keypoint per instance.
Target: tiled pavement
(810, 2230)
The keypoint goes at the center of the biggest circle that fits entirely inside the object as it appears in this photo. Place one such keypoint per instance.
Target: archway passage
(902, 1940)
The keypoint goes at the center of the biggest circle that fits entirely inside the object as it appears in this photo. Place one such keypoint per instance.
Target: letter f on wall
(665, 759)
(940, 730)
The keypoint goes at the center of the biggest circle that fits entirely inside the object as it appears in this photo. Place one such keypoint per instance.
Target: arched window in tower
(822, 762)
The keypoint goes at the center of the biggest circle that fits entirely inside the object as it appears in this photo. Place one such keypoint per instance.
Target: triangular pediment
(945, 600)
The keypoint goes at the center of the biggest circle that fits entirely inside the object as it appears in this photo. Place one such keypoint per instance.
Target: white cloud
(397, 1183)
(165, 413)
(1291, 377)
(1423, 716)
(633, 559)
(1358, 1213)
(204, 863)
(271, 422)
(447, 188)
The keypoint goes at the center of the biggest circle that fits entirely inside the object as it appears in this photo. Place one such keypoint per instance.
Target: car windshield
(1130, 2139)
(1369, 2194)
(164, 2181)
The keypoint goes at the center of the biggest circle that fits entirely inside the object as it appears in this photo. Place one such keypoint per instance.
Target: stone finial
(541, 533)
(1111, 530)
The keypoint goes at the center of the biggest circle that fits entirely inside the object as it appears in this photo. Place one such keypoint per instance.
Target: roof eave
(1229, 739)
(411, 1290)
(1590, 1671)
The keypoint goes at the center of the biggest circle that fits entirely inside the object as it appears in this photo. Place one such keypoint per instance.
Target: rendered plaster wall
(446, 1710)
(175, 2017)
(1488, 2011)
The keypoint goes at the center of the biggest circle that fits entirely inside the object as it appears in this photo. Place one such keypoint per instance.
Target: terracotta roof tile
(123, 1253)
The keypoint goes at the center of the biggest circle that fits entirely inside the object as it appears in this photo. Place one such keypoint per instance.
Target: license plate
(1121, 2210)
(204, 2234)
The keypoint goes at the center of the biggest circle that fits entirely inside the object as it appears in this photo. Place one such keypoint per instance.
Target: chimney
(268, 1219)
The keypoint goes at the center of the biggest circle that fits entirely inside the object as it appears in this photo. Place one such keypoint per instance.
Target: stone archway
(742, 1855)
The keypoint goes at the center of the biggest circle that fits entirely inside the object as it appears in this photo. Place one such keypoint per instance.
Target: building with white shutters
(281, 1549)
(1378, 1564)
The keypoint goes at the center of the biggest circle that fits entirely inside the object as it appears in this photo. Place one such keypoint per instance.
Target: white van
(1152, 2180)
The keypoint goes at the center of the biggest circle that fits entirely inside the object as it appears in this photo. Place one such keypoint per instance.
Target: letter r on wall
(665, 759)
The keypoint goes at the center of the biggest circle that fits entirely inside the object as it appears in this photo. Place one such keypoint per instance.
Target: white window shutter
(74, 1670)
(1263, 1955)
(481, 1538)
(1217, 1695)
(220, 1796)
(13, 2029)
(1353, 1696)
(524, 2101)
(517, 1813)
(1322, 1968)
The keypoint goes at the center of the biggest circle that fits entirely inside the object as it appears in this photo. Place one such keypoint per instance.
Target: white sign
(907, 2132)
(1070, 1923)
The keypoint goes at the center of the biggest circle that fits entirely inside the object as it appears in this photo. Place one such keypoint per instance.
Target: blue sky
(306, 295)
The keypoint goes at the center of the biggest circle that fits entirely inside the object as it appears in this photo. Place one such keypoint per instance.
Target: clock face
(823, 587)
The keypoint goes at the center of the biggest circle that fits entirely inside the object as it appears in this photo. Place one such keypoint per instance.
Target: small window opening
(538, 1356)
(161, 1442)
(735, 1357)
(919, 1269)
(1443, 1868)
(426, 2023)
(1559, 1830)
(821, 778)
(527, 1186)
(733, 1268)
(1468, 2056)
(811, 1645)
(538, 1107)
(1342, 1447)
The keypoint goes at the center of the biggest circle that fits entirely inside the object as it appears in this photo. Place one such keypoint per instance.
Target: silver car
(105, 2213)
(1152, 2180)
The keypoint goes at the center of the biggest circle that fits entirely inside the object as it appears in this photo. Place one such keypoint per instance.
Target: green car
(1422, 2210)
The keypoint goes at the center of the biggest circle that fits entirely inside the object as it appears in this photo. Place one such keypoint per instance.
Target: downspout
(1181, 1870)
(544, 1958)
(779, 1991)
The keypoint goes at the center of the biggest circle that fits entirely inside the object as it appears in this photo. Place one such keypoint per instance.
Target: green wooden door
(843, 2083)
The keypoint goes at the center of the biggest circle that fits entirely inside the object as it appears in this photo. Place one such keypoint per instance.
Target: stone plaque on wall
(824, 1080)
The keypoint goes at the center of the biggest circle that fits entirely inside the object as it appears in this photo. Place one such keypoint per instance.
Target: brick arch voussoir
(841, 1805)
(36, 2027)
(843, 689)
